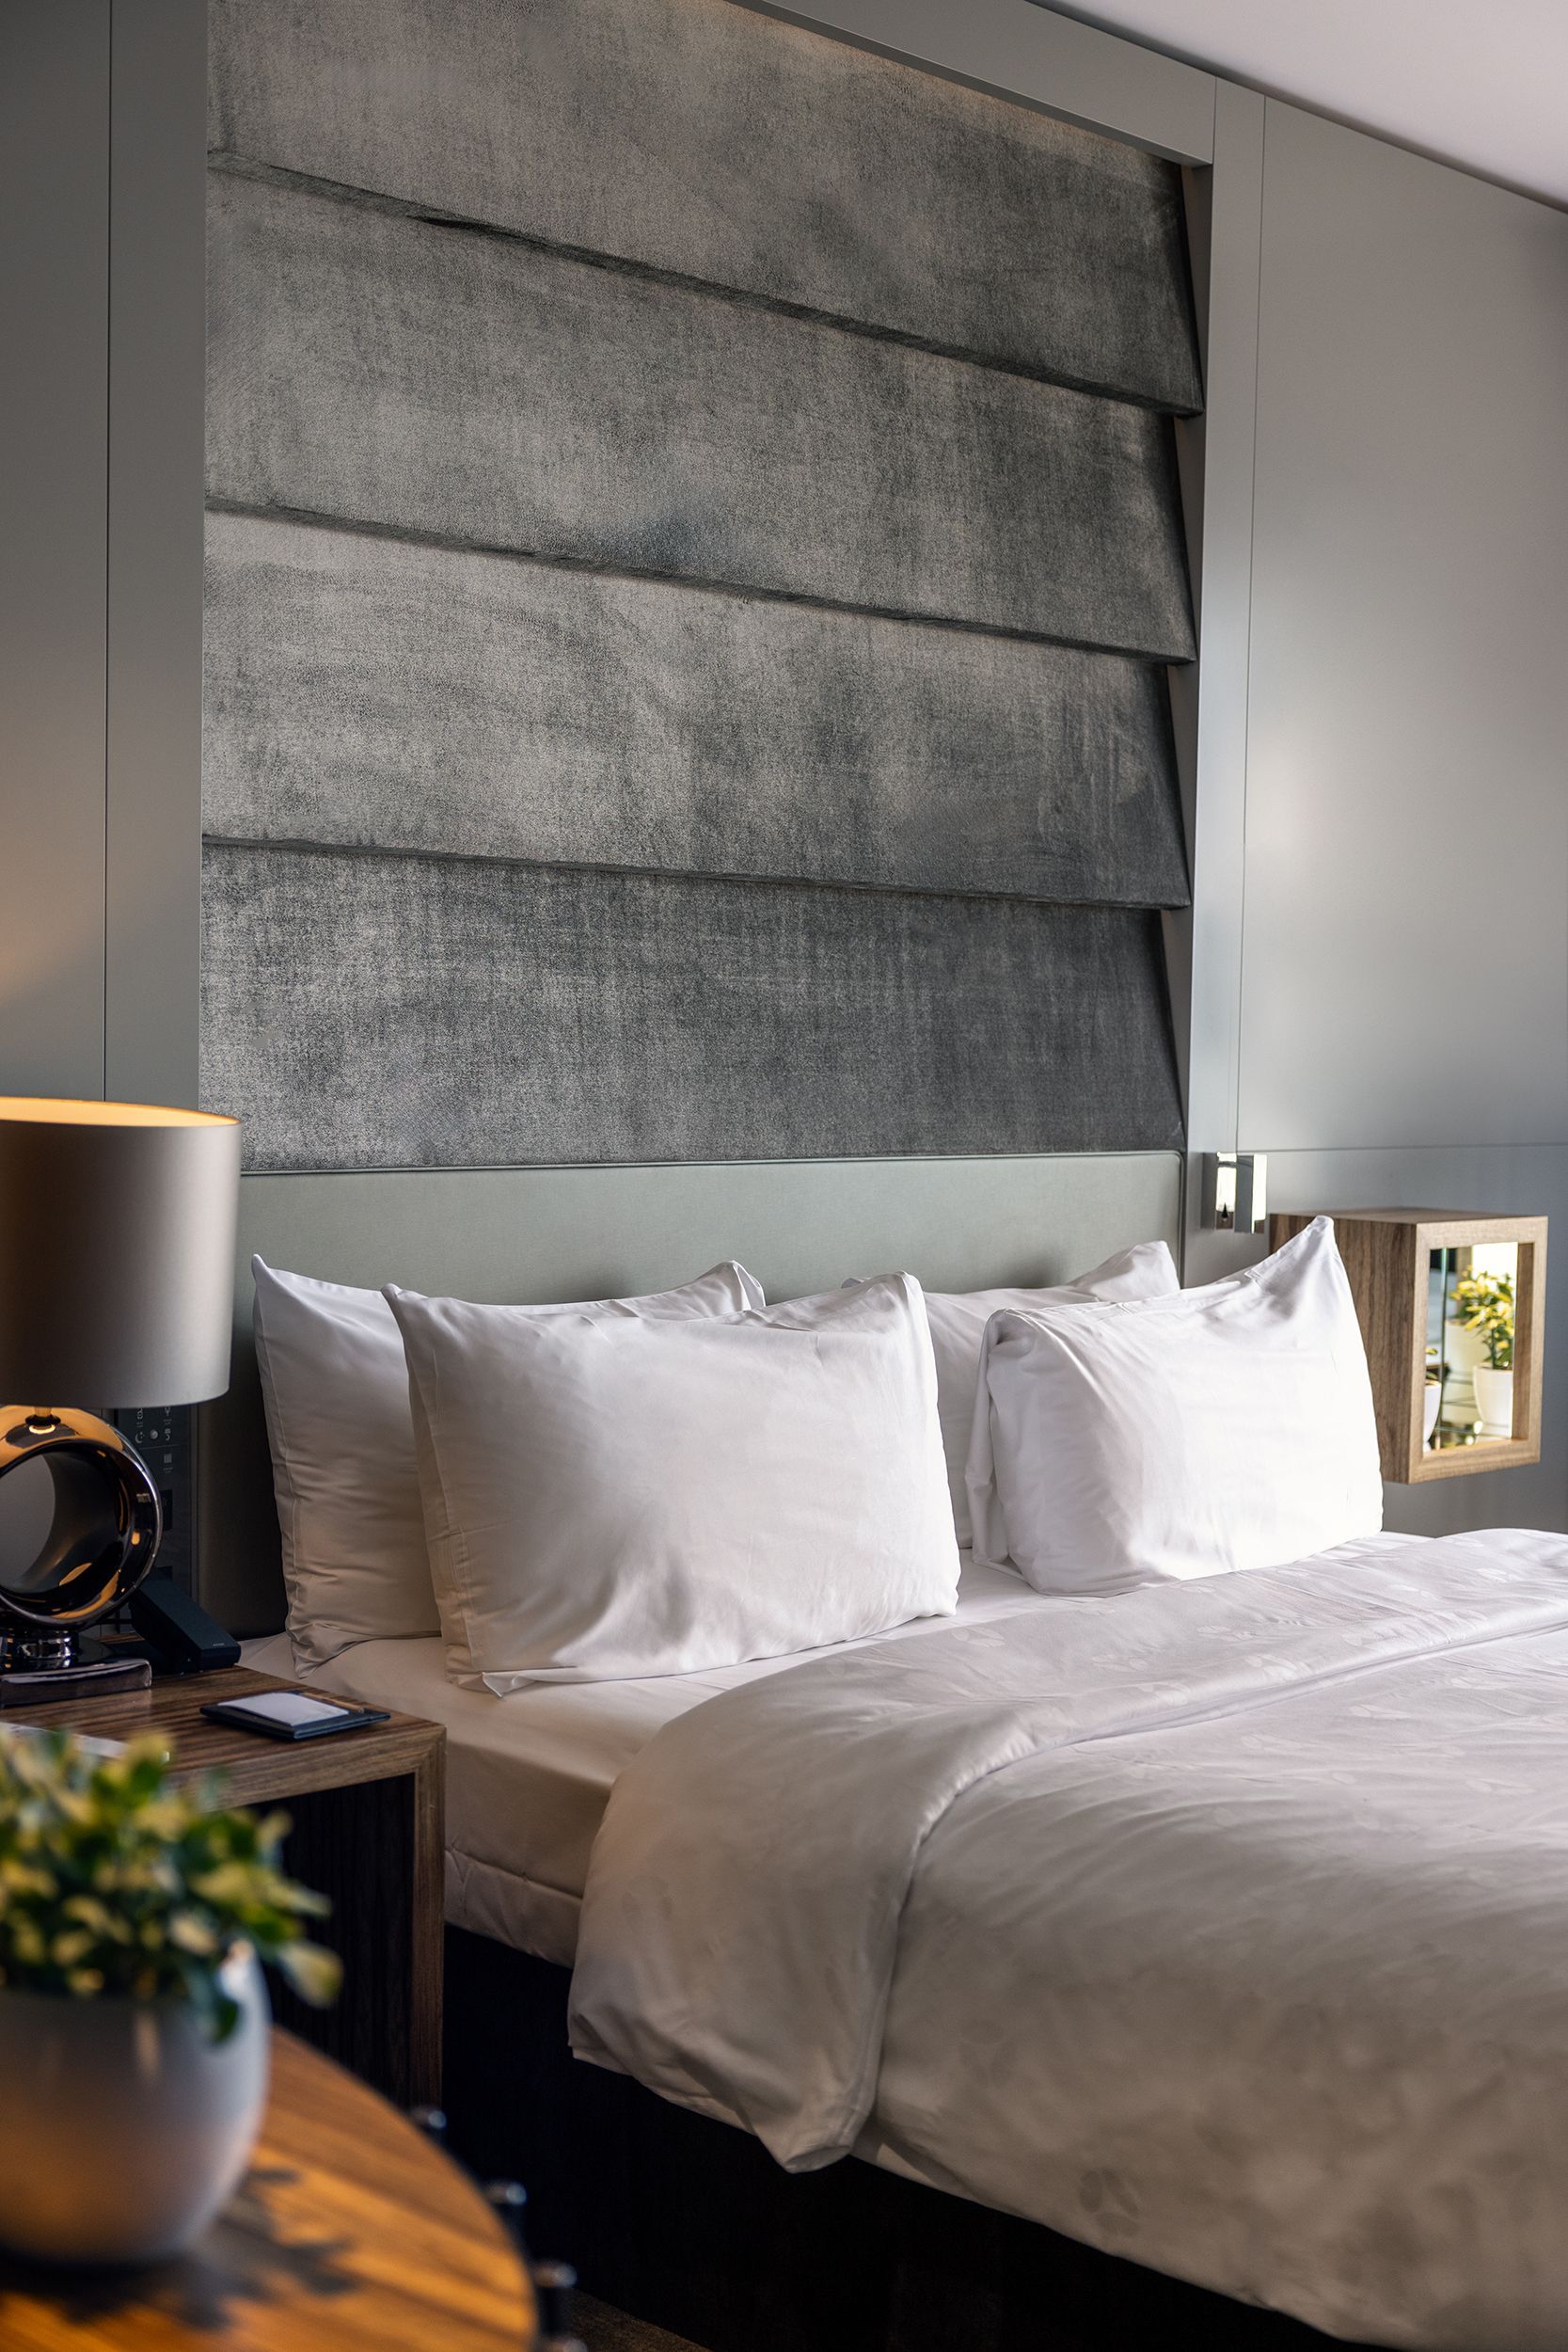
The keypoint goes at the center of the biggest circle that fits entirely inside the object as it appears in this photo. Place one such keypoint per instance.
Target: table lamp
(116, 1274)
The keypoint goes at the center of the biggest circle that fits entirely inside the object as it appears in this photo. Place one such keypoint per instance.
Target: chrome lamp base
(78, 1669)
(80, 1525)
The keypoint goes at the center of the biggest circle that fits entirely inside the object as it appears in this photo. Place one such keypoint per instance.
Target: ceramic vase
(1462, 1350)
(1494, 1397)
(123, 2127)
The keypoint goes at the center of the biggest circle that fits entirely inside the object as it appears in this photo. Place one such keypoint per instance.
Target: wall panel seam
(455, 544)
(1488, 1145)
(577, 1167)
(402, 208)
(108, 517)
(1240, 1031)
(275, 844)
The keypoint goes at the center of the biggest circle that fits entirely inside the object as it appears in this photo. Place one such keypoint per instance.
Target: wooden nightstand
(369, 1830)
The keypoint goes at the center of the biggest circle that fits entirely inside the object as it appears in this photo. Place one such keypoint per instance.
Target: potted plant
(132, 2012)
(1485, 1307)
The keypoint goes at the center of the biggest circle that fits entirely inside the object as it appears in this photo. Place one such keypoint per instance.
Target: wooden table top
(258, 1771)
(350, 2233)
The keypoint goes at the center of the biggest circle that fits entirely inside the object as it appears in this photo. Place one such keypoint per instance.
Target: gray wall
(1406, 889)
(102, 163)
(687, 641)
(54, 540)
(1384, 900)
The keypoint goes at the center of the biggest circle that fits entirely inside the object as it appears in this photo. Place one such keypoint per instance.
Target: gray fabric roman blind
(693, 549)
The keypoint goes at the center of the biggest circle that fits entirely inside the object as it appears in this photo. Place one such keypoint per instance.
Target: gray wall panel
(744, 152)
(682, 663)
(54, 487)
(440, 382)
(369, 693)
(1384, 827)
(363, 1011)
(157, 226)
(1211, 697)
(1406, 929)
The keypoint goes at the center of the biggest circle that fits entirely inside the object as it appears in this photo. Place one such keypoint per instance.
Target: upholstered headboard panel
(553, 1234)
(693, 550)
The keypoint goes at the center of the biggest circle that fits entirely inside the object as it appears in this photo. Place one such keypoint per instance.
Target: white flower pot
(1463, 1348)
(1431, 1400)
(1494, 1397)
(123, 2128)
(1462, 1351)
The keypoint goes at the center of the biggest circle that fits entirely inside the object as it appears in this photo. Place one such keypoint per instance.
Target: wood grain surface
(1387, 1254)
(257, 1771)
(350, 2231)
(367, 1809)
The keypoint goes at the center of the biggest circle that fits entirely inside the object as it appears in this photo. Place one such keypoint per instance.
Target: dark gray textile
(683, 651)
(373, 367)
(693, 137)
(366, 691)
(362, 1010)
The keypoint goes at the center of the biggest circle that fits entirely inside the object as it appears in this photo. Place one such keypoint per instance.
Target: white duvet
(1224, 1926)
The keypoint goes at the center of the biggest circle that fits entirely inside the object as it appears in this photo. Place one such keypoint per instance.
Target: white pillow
(1228, 1427)
(336, 1389)
(621, 1499)
(958, 1320)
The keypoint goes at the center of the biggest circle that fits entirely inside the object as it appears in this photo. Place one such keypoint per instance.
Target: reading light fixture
(1235, 1191)
(116, 1268)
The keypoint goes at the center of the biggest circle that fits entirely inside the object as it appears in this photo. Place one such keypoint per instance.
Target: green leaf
(315, 1974)
(225, 2014)
(113, 1880)
(192, 1933)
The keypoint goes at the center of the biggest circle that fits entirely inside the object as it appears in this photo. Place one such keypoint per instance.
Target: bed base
(691, 2225)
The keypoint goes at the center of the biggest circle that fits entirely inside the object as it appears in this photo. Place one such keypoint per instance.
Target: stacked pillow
(647, 1497)
(958, 1320)
(335, 1385)
(1222, 1428)
(659, 1484)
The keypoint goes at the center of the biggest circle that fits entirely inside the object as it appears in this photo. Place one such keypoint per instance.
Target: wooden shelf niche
(1389, 1255)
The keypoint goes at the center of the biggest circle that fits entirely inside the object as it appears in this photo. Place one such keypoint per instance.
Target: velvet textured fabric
(740, 153)
(476, 389)
(575, 717)
(479, 1013)
(693, 548)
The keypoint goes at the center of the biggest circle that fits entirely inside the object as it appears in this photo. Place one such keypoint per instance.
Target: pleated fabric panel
(694, 552)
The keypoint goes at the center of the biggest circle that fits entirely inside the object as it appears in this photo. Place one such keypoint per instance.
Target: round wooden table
(350, 2233)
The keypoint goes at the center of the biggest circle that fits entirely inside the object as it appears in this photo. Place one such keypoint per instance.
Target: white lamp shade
(116, 1253)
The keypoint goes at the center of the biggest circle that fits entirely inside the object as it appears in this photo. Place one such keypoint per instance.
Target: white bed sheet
(1221, 1925)
(529, 1775)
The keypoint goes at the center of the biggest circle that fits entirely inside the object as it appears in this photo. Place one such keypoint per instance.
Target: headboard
(549, 1234)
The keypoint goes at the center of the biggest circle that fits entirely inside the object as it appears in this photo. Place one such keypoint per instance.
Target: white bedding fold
(996, 1804)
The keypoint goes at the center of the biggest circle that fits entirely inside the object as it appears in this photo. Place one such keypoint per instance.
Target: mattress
(529, 1775)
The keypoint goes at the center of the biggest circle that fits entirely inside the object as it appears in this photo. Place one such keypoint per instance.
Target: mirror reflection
(1472, 1300)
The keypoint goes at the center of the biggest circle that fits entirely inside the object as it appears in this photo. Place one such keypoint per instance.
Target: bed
(528, 1777)
(980, 1904)
(1128, 1936)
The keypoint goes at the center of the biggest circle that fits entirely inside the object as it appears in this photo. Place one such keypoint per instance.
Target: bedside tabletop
(367, 1809)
